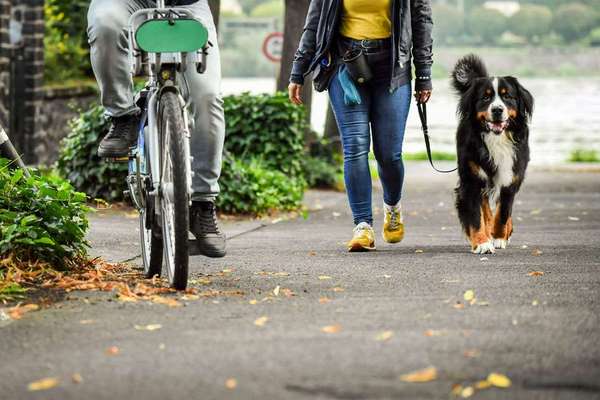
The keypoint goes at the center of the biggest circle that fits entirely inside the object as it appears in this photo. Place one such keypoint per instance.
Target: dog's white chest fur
(502, 155)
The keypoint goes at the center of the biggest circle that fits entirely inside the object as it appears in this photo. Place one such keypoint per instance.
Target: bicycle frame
(150, 139)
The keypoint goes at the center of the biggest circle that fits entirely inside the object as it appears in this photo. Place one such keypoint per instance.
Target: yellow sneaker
(363, 239)
(393, 225)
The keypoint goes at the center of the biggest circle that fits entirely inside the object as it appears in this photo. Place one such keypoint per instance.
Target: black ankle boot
(121, 137)
(204, 226)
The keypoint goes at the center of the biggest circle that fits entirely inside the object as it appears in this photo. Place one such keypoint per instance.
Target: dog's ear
(525, 99)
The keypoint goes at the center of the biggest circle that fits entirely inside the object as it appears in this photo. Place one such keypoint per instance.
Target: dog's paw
(485, 248)
(500, 243)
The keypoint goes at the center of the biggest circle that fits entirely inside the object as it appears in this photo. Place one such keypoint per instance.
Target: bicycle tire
(152, 244)
(174, 190)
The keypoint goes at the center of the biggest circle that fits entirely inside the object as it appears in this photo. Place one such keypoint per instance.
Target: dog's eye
(487, 97)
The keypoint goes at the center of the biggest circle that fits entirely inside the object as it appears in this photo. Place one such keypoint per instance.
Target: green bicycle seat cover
(182, 36)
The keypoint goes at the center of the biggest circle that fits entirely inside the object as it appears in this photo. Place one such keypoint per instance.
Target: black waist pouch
(358, 66)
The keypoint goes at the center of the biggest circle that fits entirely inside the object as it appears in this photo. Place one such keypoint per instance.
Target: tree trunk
(215, 8)
(295, 15)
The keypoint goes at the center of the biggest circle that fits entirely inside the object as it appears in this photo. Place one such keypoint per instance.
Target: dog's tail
(466, 70)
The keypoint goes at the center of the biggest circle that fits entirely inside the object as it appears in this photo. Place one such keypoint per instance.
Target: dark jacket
(411, 33)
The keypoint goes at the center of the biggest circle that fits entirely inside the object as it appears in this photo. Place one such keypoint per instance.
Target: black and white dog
(492, 149)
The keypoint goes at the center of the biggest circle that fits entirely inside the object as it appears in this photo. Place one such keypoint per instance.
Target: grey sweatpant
(107, 33)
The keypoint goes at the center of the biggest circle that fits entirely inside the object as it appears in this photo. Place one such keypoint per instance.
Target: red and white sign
(273, 46)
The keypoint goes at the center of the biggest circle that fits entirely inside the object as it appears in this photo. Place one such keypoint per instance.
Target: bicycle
(166, 41)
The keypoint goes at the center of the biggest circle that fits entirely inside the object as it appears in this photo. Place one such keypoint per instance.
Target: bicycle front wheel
(174, 190)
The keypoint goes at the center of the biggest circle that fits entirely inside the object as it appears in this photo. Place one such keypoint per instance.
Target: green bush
(271, 9)
(531, 21)
(42, 218)
(574, 21)
(487, 24)
(449, 23)
(264, 146)
(594, 37)
(584, 156)
(268, 127)
(66, 54)
(251, 187)
(79, 162)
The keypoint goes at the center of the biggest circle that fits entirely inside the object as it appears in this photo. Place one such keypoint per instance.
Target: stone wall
(4, 61)
(60, 106)
(24, 98)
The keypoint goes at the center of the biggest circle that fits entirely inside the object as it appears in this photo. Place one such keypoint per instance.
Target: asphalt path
(386, 313)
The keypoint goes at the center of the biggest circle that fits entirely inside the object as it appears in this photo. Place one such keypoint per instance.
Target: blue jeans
(383, 115)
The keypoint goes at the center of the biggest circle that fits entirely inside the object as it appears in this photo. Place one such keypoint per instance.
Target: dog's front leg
(503, 227)
(475, 214)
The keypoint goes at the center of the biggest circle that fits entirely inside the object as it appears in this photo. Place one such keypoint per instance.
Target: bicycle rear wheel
(174, 190)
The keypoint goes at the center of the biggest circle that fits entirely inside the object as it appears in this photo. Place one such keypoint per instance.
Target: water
(566, 116)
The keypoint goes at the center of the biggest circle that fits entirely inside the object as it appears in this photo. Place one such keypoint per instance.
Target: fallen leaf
(76, 378)
(253, 301)
(112, 351)
(231, 383)
(418, 251)
(331, 328)
(324, 300)
(459, 305)
(535, 303)
(336, 214)
(536, 211)
(469, 295)
(471, 353)
(499, 380)
(467, 392)
(261, 321)
(387, 276)
(227, 271)
(324, 277)
(151, 327)
(456, 389)
(338, 289)
(17, 312)
(481, 385)
(166, 301)
(42, 384)
(276, 291)
(537, 252)
(573, 218)
(536, 273)
(190, 297)
(162, 346)
(431, 333)
(86, 321)
(384, 336)
(483, 259)
(420, 376)
(524, 247)
(288, 292)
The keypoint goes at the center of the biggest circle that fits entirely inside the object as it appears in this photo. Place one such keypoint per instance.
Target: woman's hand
(295, 93)
(423, 96)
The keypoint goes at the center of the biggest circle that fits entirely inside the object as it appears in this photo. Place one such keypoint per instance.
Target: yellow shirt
(366, 19)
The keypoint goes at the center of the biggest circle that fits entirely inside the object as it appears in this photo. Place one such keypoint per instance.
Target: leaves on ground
(261, 321)
(536, 273)
(331, 329)
(42, 384)
(324, 277)
(423, 375)
(499, 380)
(469, 295)
(324, 300)
(151, 327)
(337, 289)
(112, 351)
(18, 311)
(76, 378)
(384, 336)
(231, 383)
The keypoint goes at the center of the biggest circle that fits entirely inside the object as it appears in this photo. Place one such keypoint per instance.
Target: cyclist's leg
(208, 130)
(107, 33)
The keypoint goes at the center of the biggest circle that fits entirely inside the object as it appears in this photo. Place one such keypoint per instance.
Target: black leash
(422, 107)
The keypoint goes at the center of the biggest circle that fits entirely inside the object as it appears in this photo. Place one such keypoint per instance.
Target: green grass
(584, 156)
(435, 155)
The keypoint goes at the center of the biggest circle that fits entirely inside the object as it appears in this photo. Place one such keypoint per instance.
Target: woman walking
(361, 51)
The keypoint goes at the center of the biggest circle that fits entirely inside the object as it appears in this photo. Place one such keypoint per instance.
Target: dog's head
(497, 103)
